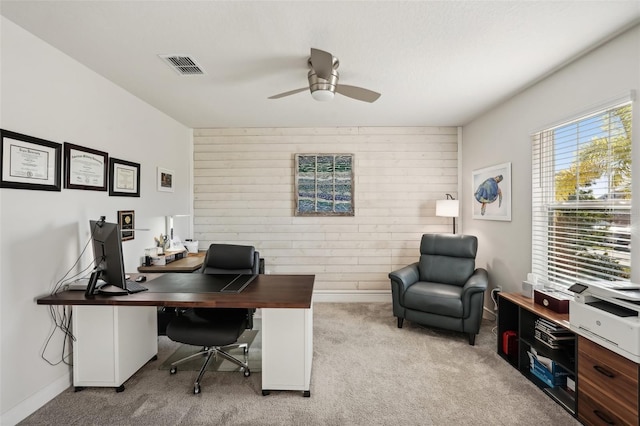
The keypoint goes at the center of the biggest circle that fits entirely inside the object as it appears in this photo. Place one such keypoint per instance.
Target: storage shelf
(563, 357)
(562, 397)
(616, 396)
(517, 313)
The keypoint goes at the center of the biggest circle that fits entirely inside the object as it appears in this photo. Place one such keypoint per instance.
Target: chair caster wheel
(173, 370)
(247, 372)
(196, 389)
(265, 392)
(306, 394)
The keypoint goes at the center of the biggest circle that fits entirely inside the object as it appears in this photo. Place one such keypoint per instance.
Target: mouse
(141, 279)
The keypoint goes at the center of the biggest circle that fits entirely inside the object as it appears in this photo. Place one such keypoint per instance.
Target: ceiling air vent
(182, 64)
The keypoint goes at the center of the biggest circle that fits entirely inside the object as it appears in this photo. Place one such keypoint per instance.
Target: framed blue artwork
(324, 185)
(491, 189)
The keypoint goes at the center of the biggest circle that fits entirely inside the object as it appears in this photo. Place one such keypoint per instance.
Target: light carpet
(366, 371)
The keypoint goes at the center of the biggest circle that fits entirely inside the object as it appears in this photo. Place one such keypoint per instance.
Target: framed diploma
(84, 168)
(27, 162)
(126, 220)
(124, 178)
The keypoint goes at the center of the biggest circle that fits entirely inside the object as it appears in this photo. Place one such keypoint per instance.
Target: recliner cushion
(436, 298)
(447, 258)
(455, 245)
(445, 269)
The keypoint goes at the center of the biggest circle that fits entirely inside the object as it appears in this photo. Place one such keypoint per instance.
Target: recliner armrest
(477, 283)
(405, 276)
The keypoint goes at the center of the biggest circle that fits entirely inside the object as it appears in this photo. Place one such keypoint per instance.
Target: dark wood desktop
(265, 291)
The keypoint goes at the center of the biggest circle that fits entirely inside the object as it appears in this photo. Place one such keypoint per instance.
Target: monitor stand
(112, 290)
(91, 286)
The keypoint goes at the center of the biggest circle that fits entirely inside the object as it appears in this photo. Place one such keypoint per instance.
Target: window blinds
(581, 189)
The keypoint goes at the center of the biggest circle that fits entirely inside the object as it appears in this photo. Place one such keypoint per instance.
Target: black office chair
(217, 329)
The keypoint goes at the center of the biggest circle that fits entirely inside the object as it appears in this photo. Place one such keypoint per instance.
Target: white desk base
(112, 343)
(287, 349)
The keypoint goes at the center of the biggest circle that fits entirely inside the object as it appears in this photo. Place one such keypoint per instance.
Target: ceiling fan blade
(322, 63)
(358, 93)
(291, 92)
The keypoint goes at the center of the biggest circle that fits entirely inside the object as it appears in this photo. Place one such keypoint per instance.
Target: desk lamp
(448, 208)
(174, 237)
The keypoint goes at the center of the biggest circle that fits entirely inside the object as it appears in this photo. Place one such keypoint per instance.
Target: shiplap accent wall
(244, 194)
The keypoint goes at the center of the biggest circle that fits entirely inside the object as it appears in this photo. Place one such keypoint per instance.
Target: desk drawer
(608, 359)
(594, 413)
(607, 385)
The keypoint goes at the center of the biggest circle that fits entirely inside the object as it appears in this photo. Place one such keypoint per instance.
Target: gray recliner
(443, 289)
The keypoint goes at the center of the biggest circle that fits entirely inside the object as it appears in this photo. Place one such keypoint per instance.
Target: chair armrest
(404, 277)
(477, 283)
(256, 263)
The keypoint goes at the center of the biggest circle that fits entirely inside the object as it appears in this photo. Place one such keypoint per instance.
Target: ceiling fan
(323, 81)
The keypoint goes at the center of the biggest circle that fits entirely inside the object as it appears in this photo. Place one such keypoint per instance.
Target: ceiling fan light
(322, 95)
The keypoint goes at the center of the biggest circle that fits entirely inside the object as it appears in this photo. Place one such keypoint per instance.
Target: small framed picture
(126, 220)
(85, 168)
(165, 180)
(27, 162)
(124, 178)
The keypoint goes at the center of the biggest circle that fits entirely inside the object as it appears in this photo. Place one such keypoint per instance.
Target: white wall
(503, 135)
(244, 193)
(48, 95)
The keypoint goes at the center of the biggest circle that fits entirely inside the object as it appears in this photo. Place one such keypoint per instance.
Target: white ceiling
(436, 63)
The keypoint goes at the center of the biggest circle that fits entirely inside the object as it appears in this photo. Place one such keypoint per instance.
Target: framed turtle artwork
(491, 190)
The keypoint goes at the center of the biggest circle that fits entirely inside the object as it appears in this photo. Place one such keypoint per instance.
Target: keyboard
(134, 287)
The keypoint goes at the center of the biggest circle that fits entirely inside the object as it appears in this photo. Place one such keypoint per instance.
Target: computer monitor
(107, 252)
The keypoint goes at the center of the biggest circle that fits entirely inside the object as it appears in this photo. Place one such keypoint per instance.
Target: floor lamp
(448, 208)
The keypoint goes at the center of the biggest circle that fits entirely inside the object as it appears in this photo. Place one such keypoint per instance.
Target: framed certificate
(124, 178)
(29, 163)
(84, 168)
(126, 220)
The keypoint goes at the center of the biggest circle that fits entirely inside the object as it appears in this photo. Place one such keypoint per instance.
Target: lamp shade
(447, 208)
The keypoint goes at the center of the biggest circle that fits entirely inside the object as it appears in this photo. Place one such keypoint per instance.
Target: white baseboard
(492, 314)
(367, 296)
(35, 401)
(352, 296)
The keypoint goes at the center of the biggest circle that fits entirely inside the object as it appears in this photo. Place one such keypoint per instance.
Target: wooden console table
(605, 390)
(191, 263)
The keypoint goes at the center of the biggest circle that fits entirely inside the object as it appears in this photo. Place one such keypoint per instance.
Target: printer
(608, 313)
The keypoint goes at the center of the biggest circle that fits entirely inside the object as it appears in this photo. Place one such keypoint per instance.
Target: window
(581, 189)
